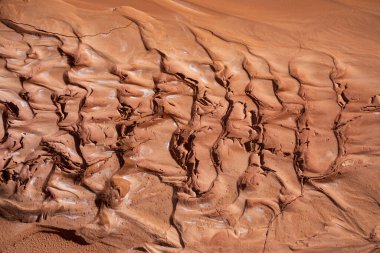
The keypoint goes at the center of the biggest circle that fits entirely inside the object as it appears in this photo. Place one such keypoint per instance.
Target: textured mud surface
(177, 126)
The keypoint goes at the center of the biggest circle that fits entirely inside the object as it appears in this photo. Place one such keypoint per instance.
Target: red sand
(189, 126)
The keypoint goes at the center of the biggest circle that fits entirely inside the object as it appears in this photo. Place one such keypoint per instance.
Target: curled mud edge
(182, 126)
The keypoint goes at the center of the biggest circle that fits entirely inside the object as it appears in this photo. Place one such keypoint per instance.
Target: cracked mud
(182, 126)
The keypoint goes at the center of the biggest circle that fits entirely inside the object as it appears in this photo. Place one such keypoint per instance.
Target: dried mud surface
(189, 126)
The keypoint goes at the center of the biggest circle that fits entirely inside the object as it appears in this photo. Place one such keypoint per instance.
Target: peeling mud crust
(183, 126)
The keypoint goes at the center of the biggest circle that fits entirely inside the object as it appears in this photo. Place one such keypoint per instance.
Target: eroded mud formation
(175, 128)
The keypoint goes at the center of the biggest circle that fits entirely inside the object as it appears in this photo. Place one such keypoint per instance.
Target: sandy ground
(189, 126)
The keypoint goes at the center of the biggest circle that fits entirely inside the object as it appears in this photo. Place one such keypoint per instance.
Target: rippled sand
(189, 126)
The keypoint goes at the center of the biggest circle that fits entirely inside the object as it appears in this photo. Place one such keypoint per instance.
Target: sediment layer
(182, 126)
